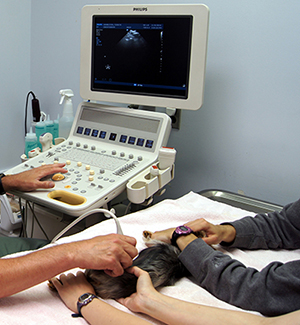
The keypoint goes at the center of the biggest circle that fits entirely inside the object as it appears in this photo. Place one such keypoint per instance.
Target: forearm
(100, 312)
(274, 288)
(184, 241)
(173, 311)
(272, 230)
(20, 273)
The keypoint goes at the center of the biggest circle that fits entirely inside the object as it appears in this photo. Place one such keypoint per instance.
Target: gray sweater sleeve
(274, 290)
(269, 231)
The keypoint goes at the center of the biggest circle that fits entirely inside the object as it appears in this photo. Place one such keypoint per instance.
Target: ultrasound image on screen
(141, 55)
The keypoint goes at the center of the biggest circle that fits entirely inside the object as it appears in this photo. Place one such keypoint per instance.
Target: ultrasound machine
(132, 57)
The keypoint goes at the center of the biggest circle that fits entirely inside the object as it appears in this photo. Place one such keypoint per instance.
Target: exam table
(39, 305)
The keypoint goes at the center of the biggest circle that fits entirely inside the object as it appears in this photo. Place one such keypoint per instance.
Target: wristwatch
(180, 231)
(83, 300)
(2, 190)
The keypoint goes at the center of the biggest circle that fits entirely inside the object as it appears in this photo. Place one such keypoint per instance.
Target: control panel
(107, 146)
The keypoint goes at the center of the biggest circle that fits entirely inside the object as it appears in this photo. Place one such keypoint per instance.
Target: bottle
(50, 126)
(30, 141)
(66, 121)
(40, 128)
(56, 129)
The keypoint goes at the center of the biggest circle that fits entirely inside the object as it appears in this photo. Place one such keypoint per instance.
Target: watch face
(183, 230)
(84, 296)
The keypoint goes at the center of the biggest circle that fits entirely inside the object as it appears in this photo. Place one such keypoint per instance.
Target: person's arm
(214, 233)
(174, 311)
(111, 253)
(147, 301)
(32, 179)
(275, 287)
(272, 291)
(71, 287)
(269, 231)
(264, 231)
(152, 303)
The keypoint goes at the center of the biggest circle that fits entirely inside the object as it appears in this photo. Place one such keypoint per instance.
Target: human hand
(31, 180)
(70, 287)
(137, 302)
(214, 233)
(112, 253)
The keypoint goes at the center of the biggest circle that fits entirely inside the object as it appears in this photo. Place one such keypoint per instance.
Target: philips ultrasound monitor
(148, 55)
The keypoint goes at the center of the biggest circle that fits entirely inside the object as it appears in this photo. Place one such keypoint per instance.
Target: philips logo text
(140, 9)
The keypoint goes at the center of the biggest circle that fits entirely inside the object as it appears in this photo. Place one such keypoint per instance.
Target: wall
(246, 135)
(15, 77)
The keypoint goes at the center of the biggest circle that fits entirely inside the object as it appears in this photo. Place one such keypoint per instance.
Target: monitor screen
(144, 56)
(141, 55)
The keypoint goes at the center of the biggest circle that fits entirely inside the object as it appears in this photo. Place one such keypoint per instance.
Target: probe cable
(107, 214)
